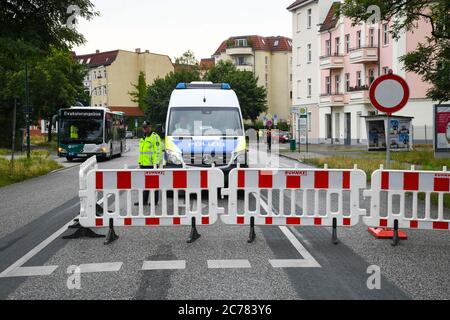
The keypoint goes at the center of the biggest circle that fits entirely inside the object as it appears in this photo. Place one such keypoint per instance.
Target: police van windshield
(201, 121)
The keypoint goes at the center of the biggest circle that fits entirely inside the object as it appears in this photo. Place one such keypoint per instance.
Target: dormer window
(276, 43)
(241, 42)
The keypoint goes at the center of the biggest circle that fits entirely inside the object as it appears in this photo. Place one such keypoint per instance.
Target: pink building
(351, 57)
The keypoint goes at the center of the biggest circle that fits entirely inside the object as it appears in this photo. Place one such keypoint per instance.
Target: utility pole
(27, 108)
(13, 133)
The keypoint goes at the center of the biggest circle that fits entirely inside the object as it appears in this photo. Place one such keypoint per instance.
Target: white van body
(204, 126)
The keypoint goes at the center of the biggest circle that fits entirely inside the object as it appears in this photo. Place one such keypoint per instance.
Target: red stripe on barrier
(442, 184)
(269, 220)
(411, 181)
(205, 220)
(440, 225)
(347, 221)
(293, 221)
(414, 224)
(265, 179)
(128, 221)
(241, 179)
(152, 221)
(151, 182)
(180, 179)
(346, 180)
(385, 180)
(383, 223)
(204, 179)
(99, 180)
(321, 180)
(293, 182)
(240, 220)
(123, 180)
(176, 221)
(317, 221)
(99, 222)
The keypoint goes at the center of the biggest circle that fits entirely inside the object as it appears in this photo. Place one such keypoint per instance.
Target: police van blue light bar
(197, 85)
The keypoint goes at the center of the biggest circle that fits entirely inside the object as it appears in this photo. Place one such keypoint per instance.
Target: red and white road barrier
(117, 187)
(313, 193)
(406, 186)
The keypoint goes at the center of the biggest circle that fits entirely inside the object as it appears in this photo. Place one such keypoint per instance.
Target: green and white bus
(84, 132)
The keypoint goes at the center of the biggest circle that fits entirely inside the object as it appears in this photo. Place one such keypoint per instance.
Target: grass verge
(39, 164)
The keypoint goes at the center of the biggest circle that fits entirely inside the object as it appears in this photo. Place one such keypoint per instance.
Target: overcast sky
(173, 26)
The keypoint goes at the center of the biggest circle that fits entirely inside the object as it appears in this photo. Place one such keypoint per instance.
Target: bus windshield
(82, 129)
(203, 121)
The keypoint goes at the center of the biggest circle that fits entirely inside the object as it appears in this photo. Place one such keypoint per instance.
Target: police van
(204, 127)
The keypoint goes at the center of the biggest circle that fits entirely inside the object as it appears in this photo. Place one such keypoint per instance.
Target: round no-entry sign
(389, 93)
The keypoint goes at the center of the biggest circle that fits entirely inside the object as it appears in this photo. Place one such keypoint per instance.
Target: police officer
(150, 154)
(73, 132)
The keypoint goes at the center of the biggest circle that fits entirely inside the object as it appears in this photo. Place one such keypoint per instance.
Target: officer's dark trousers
(147, 193)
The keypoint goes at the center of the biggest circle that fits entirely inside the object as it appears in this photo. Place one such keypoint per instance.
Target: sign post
(389, 93)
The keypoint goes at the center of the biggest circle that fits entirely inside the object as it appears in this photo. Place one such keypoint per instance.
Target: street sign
(389, 93)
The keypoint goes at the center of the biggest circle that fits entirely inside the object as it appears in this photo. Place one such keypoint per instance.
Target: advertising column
(442, 130)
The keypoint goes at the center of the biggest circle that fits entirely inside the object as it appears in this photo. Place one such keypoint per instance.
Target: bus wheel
(70, 159)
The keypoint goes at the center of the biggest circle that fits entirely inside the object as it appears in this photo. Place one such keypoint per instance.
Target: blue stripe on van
(188, 145)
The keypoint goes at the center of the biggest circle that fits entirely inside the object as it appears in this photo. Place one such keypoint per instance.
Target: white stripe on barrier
(395, 183)
(309, 182)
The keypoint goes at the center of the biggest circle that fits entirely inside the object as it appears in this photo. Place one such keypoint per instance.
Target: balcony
(239, 51)
(359, 95)
(331, 100)
(365, 54)
(335, 61)
(245, 67)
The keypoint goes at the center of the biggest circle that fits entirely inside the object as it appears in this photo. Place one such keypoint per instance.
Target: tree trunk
(49, 133)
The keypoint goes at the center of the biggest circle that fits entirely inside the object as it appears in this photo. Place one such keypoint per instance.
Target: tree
(158, 94)
(138, 96)
(56, 82)
(431, 59)
(252, 98)
(187, 58)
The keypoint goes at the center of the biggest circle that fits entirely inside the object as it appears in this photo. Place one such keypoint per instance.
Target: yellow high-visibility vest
(150, 150)
(73, 132)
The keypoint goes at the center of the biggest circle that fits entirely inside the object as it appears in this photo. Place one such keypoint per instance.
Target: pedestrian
(257, 136)
(150, 154)
(269, 140)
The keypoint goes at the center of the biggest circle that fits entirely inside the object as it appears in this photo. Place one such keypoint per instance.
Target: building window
(372, 37)
(358, 39)
(385, 70)
(385, 34)
(298, 56)
(309, 121)
(328, 47)
(299, 87)
(371, 76)
(337, 42)
(328, 85)
(95, 75)
(266, 60)
(347, 82)
(358, 79)
(290, 95)
(347, 43)
(240, 61)
(337, 80)
(241, 42)
(298, 22)
(309, 53)
(309, 18)
(309, 87)
(276, 43)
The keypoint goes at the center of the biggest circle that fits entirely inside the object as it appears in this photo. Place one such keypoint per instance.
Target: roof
(129, 111)
(331, 19)
(206, 64)
(98, 59)
(296, 4)
(260, 43)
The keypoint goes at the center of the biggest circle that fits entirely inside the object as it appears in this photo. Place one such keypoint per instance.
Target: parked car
(283, 137)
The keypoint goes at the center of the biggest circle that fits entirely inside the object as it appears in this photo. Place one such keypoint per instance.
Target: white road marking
(228, 264)
(30, 272)
(308, 260)
(45, 270)
(100, 267)
(164, 265)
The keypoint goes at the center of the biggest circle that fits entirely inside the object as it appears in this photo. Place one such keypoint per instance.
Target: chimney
(138, 50)
(97, 51)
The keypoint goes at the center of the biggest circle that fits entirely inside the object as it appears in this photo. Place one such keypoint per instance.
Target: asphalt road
(220, 265)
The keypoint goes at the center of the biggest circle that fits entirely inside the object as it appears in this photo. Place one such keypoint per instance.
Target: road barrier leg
(82, 232)
(395, 238)
(334, 237)
(252, 235)
(112, 236)
(194, 233)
